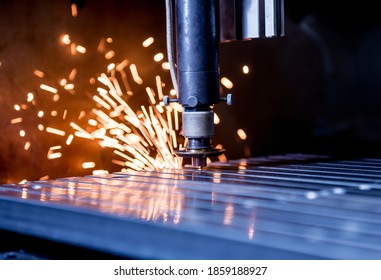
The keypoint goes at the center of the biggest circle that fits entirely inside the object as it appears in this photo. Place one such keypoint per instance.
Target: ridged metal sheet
(279, 207)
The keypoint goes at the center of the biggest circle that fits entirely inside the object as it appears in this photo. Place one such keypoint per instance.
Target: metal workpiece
(291, 206)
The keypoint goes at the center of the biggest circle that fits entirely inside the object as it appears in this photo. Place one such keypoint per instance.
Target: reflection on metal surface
(299, 204)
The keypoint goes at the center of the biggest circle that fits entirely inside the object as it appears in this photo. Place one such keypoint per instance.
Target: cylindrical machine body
(197, 38)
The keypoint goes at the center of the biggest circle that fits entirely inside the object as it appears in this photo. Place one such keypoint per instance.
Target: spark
(55, 148)
(147, 42)
(226, 83)
(48, 88)
(121, 65)
(73, 74)
(88, 165)
(40, 114)
(74, 10)
(216, 119)
(40, 127)
(22, 133)
(80, 49)
(135, 74)
(111, 66)
(69, 139)
(69, 86)
(63, 82)
(100, 172)
(66, 39)
(27, 146)
(165, 66)
(245, 69)
(241, 134)
(173, 92)
(55, 131)
(39, 73)
(54, 155)
(109, 40)
(16, 120)
(30, 97)
(110, 54)
(54, 113)
(17, 107)
(151, 95)
(158, 57)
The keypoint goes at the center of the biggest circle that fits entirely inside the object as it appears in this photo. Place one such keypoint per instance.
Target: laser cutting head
(197, 38)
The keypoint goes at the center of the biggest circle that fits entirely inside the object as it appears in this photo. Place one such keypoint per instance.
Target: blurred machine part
(292, 206)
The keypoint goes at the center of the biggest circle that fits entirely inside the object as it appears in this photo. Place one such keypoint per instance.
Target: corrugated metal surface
(280, 207)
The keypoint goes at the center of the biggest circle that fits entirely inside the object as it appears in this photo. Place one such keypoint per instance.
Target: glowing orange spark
(110, 54)
(147, 42)
(158, 57)
(87, 165)
(48, 88)
(242, 134)
(39, 73)
(245, 69)
(74, 10)
(226, 83)
(16, 120)
(55, 131)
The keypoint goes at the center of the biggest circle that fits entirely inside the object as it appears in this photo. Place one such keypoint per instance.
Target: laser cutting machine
(286, 206)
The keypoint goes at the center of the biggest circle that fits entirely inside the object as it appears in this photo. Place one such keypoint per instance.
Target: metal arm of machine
(197, 37)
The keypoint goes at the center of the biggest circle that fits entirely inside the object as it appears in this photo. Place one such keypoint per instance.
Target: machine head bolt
(229, 99)
(192, 101)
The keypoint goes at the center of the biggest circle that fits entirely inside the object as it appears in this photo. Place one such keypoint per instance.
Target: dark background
(316, 90)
